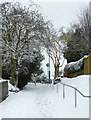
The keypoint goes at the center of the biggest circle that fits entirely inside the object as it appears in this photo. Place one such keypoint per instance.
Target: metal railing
(75, 89)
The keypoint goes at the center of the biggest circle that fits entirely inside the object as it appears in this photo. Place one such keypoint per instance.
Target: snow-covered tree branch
(23, 29)
(55, 47)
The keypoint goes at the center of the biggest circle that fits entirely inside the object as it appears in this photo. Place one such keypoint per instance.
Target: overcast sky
(59, 12)
(62, 13)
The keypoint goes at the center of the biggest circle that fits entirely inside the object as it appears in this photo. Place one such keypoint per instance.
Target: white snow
(42, 101)
(2, 80)
(12, 88)
(77, 64)
(81, 82)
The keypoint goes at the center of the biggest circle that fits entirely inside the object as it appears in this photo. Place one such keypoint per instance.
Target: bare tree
(55, 47)
(78, 35)
(83, 18)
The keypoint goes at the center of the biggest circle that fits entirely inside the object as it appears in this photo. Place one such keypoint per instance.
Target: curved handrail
(75, 89)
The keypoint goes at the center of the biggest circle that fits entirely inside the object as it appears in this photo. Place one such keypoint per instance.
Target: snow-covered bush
(30, 71)
(26, 70)
(76, 66)
(39, 78)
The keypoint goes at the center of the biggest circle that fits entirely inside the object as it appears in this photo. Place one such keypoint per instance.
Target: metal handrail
(75, 89)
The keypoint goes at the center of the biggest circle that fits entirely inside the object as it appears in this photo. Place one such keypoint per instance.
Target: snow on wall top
(75, 66)
(10, 87)
(2, 80)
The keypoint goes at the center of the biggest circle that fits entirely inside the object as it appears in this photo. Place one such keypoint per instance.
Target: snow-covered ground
(42, 101)
(81, 82)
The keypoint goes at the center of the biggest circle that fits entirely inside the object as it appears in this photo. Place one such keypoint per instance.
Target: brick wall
(3, 90)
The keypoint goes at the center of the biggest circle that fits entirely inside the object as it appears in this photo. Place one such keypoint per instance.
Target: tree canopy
(23, 30)
(78, 35)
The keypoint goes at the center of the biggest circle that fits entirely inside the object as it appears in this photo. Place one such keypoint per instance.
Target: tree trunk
(12, 64)
(56, 73)
(16, 80)
(16, 73)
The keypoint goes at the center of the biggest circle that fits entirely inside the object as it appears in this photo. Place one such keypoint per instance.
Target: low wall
(81, 72)
(3, 90)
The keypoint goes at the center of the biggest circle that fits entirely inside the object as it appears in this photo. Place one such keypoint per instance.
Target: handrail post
(63, 91)
(57, 86)
(53, 84)
(75, 98)
(75, 90)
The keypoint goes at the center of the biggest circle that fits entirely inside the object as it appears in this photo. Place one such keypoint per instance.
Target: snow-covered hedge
(76, 66)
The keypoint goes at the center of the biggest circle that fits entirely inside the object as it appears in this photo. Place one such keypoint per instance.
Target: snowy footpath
(42, 101)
